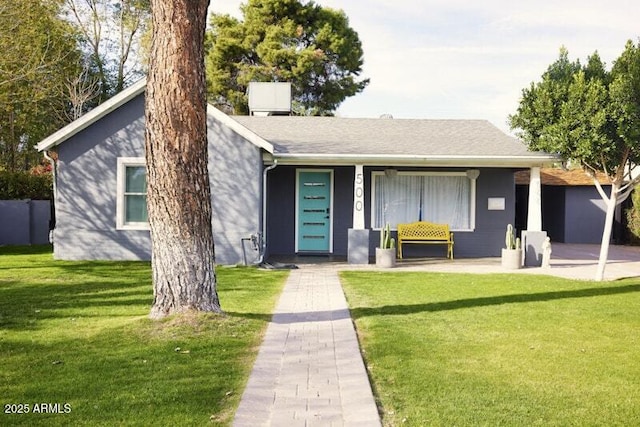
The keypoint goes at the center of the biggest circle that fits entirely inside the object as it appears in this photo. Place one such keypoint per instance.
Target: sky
(465, 59)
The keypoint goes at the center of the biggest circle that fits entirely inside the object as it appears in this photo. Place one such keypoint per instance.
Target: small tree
(590, 116)
(310, 46)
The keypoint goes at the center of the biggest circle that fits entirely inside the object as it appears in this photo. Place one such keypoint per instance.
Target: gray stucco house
(309, 185)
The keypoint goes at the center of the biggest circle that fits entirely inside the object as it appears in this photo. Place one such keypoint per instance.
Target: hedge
(23, 185)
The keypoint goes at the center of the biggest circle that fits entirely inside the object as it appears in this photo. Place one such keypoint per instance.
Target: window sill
(133, 226)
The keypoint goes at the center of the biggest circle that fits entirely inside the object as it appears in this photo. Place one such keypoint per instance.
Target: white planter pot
(385, 258)
(511, 259)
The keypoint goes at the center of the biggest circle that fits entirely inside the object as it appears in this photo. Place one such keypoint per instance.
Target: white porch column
(358, 198)
(533, 237)
(534, 216)
(358, 236)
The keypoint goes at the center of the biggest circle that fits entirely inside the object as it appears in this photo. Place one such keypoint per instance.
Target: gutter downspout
(263, 228)
(54, 178)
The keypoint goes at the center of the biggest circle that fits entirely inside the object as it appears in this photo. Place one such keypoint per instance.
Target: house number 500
(359, 192)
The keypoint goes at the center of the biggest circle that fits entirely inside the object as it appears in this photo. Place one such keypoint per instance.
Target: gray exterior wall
(24, 222)
(281, 208)
(553, 211)
(585, 212)
(488, 237)
(86, 190)
(573, 214)
(280, 230)
(486, 240)
(235, 170)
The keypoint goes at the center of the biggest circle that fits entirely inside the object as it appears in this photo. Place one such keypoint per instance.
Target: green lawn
(514, 350)
(75, 338)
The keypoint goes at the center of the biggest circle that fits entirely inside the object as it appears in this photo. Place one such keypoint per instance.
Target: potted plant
(512, 253)
(386, 252)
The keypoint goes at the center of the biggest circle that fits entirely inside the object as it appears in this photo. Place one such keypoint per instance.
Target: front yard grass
(460, 349)
(75, 338)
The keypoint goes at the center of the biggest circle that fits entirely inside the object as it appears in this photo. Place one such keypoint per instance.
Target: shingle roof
(333, 140)
(333, 135)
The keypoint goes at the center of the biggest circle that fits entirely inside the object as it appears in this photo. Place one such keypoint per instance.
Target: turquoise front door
(314, 211)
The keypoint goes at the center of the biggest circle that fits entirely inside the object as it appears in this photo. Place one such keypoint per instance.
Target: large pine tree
(178, 194)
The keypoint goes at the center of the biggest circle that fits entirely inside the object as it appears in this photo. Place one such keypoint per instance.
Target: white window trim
(472, 195)
(123, 163)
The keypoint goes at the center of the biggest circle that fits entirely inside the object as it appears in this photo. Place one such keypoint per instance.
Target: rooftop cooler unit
(269, 98)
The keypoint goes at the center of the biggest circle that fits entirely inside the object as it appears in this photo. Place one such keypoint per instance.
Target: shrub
(24, 185)
(633, 217)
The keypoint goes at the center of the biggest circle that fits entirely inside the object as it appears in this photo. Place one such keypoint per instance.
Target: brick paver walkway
(309, 371)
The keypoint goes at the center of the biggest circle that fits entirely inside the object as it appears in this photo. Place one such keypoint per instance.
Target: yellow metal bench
(423, 232)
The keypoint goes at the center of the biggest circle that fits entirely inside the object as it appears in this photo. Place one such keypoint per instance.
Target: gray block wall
(24, 222)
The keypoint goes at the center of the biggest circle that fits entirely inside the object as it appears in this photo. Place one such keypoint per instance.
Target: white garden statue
(546, 253)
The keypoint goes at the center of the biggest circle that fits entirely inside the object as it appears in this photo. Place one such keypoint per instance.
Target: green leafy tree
(589, 116)
(312, 47)
(111, 35)
(38, 51)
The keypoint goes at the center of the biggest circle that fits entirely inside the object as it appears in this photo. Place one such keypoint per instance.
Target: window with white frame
(131, 194)
(440, 197)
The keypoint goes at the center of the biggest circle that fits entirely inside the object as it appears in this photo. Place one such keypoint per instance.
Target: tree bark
(178, 192)
(611, 203)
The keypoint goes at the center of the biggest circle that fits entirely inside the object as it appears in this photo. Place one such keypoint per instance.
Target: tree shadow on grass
(291, 318)
(263, 317)
(24, 305)
(387, 310)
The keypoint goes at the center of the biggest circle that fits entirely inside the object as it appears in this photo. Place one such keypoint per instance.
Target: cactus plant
(386, 254)
(512, 254)
(386, 241)
(510, 240)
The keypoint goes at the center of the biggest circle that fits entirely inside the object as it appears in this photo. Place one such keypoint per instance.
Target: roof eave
(415, 160)
(92, 116)
(240, 129)
(125, 96)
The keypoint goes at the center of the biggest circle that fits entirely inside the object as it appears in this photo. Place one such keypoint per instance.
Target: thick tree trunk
(178, 193)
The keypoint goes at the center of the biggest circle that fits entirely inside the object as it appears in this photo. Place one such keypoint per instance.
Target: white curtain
(397, 199)
(436, 198)
(446, 200)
